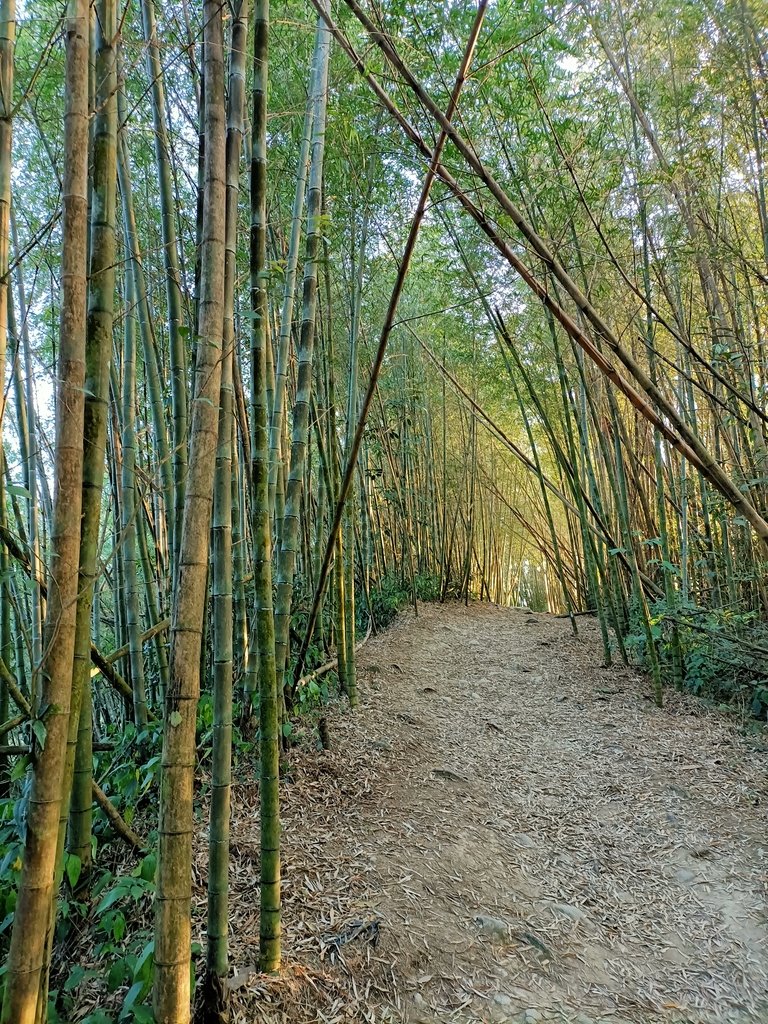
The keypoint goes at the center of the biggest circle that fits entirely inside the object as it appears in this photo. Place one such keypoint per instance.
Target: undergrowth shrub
(392, 593)
(104, 924)
(723, 652)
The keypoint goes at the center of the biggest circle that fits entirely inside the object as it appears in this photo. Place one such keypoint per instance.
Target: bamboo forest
(383, 511)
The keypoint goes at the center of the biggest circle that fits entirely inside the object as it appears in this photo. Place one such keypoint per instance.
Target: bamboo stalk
(268, 676)
(221, 771)
(27, 965)
(171, 990)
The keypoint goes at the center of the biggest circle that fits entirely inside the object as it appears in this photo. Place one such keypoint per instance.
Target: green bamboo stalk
(286, 565)
(587, 540)
(239, 545)
(289, 287)
(146, 328)
(152, 598)
(221, 770)
(171, 992)
(30, 464)
(642, 604)
(269, 718)
(338, 586)
(6, 635)
(128, 511)
(81, 804)
(348, 524)
(172, 275)
(545, 498)
(7, 42)
(669, 590)
(101, 288)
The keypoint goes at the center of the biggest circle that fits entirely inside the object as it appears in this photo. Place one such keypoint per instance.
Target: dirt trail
(527, 837)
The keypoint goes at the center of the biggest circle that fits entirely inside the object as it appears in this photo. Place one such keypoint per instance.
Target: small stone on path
(493, 926)
(571, 912)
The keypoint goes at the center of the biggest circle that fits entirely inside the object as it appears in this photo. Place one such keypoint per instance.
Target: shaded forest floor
(505, 831)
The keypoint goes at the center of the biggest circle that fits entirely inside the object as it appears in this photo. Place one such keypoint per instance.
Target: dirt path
(524, 834)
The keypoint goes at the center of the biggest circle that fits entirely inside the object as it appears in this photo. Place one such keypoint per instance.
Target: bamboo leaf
(74, 867)
(40, 731)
